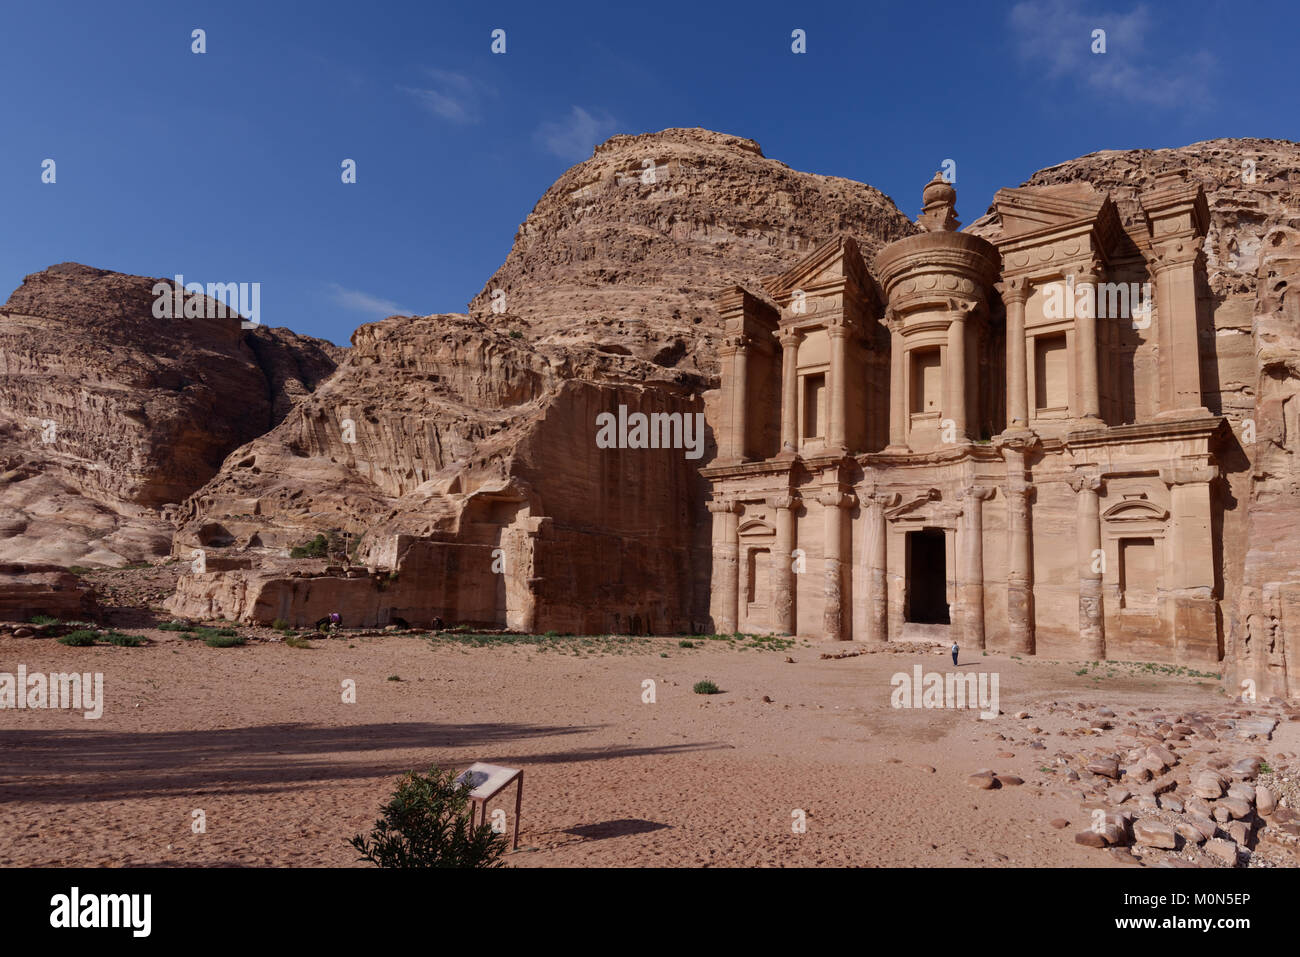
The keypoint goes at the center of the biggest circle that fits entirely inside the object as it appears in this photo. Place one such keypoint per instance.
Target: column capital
(723, 505)
(1014, 289)
(1188, 474)
(979, 493)
(737, 343)
(1081, 481)
(962, 309)
(788, 337)
(1087, 271)
(838, 330)
(782, 500)
(836, 499)
(1171, 253)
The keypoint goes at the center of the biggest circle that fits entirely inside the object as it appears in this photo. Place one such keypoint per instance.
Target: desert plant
(297, 641)
(427, 823)
(81, 638)
(706, 687)
(42, 620)
(318, 547)
(174, 626)
(220, 640)
(126, 641)
(281, 625)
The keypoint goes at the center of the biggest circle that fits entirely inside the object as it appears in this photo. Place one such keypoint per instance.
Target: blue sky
(225, 166)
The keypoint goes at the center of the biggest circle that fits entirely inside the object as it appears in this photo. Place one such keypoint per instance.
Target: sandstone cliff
(474, 432)
(478, 430)
(621, 254)
(109, 415)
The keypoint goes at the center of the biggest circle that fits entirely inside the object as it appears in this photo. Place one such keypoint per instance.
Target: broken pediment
(838, 260)
(1032, 209)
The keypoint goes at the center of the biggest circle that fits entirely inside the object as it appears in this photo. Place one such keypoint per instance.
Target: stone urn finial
(938, 202)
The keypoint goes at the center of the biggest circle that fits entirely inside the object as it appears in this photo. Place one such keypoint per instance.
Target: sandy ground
(260, 740)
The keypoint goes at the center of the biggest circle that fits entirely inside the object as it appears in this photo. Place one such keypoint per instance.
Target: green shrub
(220, 640)
(280, 625)
(685, 644)
(297, 641)
(125, 641)
(427, 824)
(42, 620)
(78, 639)
(318, 547)
(175, 626)
(706, 687)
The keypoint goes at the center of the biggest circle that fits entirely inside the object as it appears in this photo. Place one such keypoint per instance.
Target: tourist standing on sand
(955, 649)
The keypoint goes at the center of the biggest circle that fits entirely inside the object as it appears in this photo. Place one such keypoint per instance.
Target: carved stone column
(838, 404)
(789, 390)
(836, 505)
(878, 565)
(737, 349)
(1175, 266)
(784, 589)
(970, 564)
(897, 386)
(726, 566)
(1085, 343)
(1190, 593)
(1015, 292)
(1091, 561)
(955, 374)
(1020, 568)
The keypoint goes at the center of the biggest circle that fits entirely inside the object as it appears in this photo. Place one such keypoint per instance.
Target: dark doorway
(927, 577)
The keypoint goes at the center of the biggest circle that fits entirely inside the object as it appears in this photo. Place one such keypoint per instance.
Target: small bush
(297, 641)
(175, 626)
(427, 824)
(685, 644)
(125, 641)
(78, 639)
(42, 620)
(706, 687)
(318, 547)
(394, 677)
(280, 625)
(220, 640)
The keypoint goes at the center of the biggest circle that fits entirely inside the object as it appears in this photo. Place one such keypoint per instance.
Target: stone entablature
(930, 449)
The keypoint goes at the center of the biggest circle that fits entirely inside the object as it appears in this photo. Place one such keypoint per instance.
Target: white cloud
(452, 96)
(576, 135)
(1055, 37)
(363, 302)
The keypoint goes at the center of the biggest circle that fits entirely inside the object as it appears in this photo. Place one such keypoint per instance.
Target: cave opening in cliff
(927, 586)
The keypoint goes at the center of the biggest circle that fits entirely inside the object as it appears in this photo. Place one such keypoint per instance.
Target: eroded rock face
(620, 255)
(109, 415)
(27, 590)
(475, 433)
